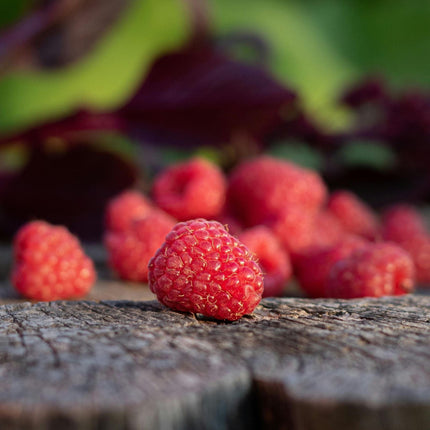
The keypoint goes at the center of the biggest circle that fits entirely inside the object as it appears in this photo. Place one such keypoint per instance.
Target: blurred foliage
(299, 153)
(319, 46)
(104, 78)
(11, 11)
(367, 153)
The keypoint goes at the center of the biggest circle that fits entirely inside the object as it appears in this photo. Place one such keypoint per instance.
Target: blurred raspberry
(261, 188)
(404, 225)
(50, 263)
(353, 214)
(294, 228)
(379, 269)
(327, 230)
(124, 208)
(313, 267)
(400, 222)
(419, 249)
(192, 189)
(202, 268)
(130, 250)
(272, 258)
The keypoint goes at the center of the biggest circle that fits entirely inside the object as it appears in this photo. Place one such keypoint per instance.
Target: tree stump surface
(295, 364)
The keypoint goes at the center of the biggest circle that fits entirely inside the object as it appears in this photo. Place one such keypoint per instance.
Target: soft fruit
(50, 263)
(201, 268)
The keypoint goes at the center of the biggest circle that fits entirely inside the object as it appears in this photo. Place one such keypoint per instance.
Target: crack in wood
(296, 364)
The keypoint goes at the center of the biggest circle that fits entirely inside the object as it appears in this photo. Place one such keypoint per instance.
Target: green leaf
(104, 78)
(302, 56)
(321, 46)
(367, 153)
(299, 153)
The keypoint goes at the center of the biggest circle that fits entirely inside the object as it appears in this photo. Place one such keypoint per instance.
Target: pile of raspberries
(214, 245)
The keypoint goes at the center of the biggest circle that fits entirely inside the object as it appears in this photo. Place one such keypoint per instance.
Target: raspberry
(261, 188)
(272, 258)
(327, 230)
(354, 215)
(419, 249)
(130, 251)
(192, 189)
(202, 268)
(124, 208)
(379, 269)
(294, 227)
(314, 267)
(50, 263)
(401, 222)
(404, 225)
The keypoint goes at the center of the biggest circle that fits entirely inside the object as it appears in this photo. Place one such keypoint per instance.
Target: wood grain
(294, 364)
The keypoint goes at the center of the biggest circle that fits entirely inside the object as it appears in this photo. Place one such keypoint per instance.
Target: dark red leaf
(200, 96)
(67, 128)
(68, 187)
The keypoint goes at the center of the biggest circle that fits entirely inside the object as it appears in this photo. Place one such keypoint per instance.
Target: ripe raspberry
(327, 230)
(130, 251)
(50, 263)
(419, 249)
(313, 267)
(192, 189)
(124, 208)
(404, 225)
(294, 228)
(202, 268)
(261, 188)
(401, 222)
(379, 269)
(354, 215)
(272, 258)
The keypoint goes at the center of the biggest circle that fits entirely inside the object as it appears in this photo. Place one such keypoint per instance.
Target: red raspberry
(419, 249)
(401, 222)
(192, 189)
(202, 268)
(354, 215)
(272, 258)
(261, 188)
(379, 269)
(294, 227)
(130, 251)
(327, 230)
(50, 263)
(124, 208)
(313, 268)
(404, 225)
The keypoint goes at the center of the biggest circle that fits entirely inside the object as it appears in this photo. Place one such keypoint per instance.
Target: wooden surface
(296, 364)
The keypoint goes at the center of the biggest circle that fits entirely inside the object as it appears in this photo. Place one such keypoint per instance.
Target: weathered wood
(295, 364)
(104, 289)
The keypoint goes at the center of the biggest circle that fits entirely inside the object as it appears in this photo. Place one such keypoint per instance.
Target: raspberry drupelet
(201, 268)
